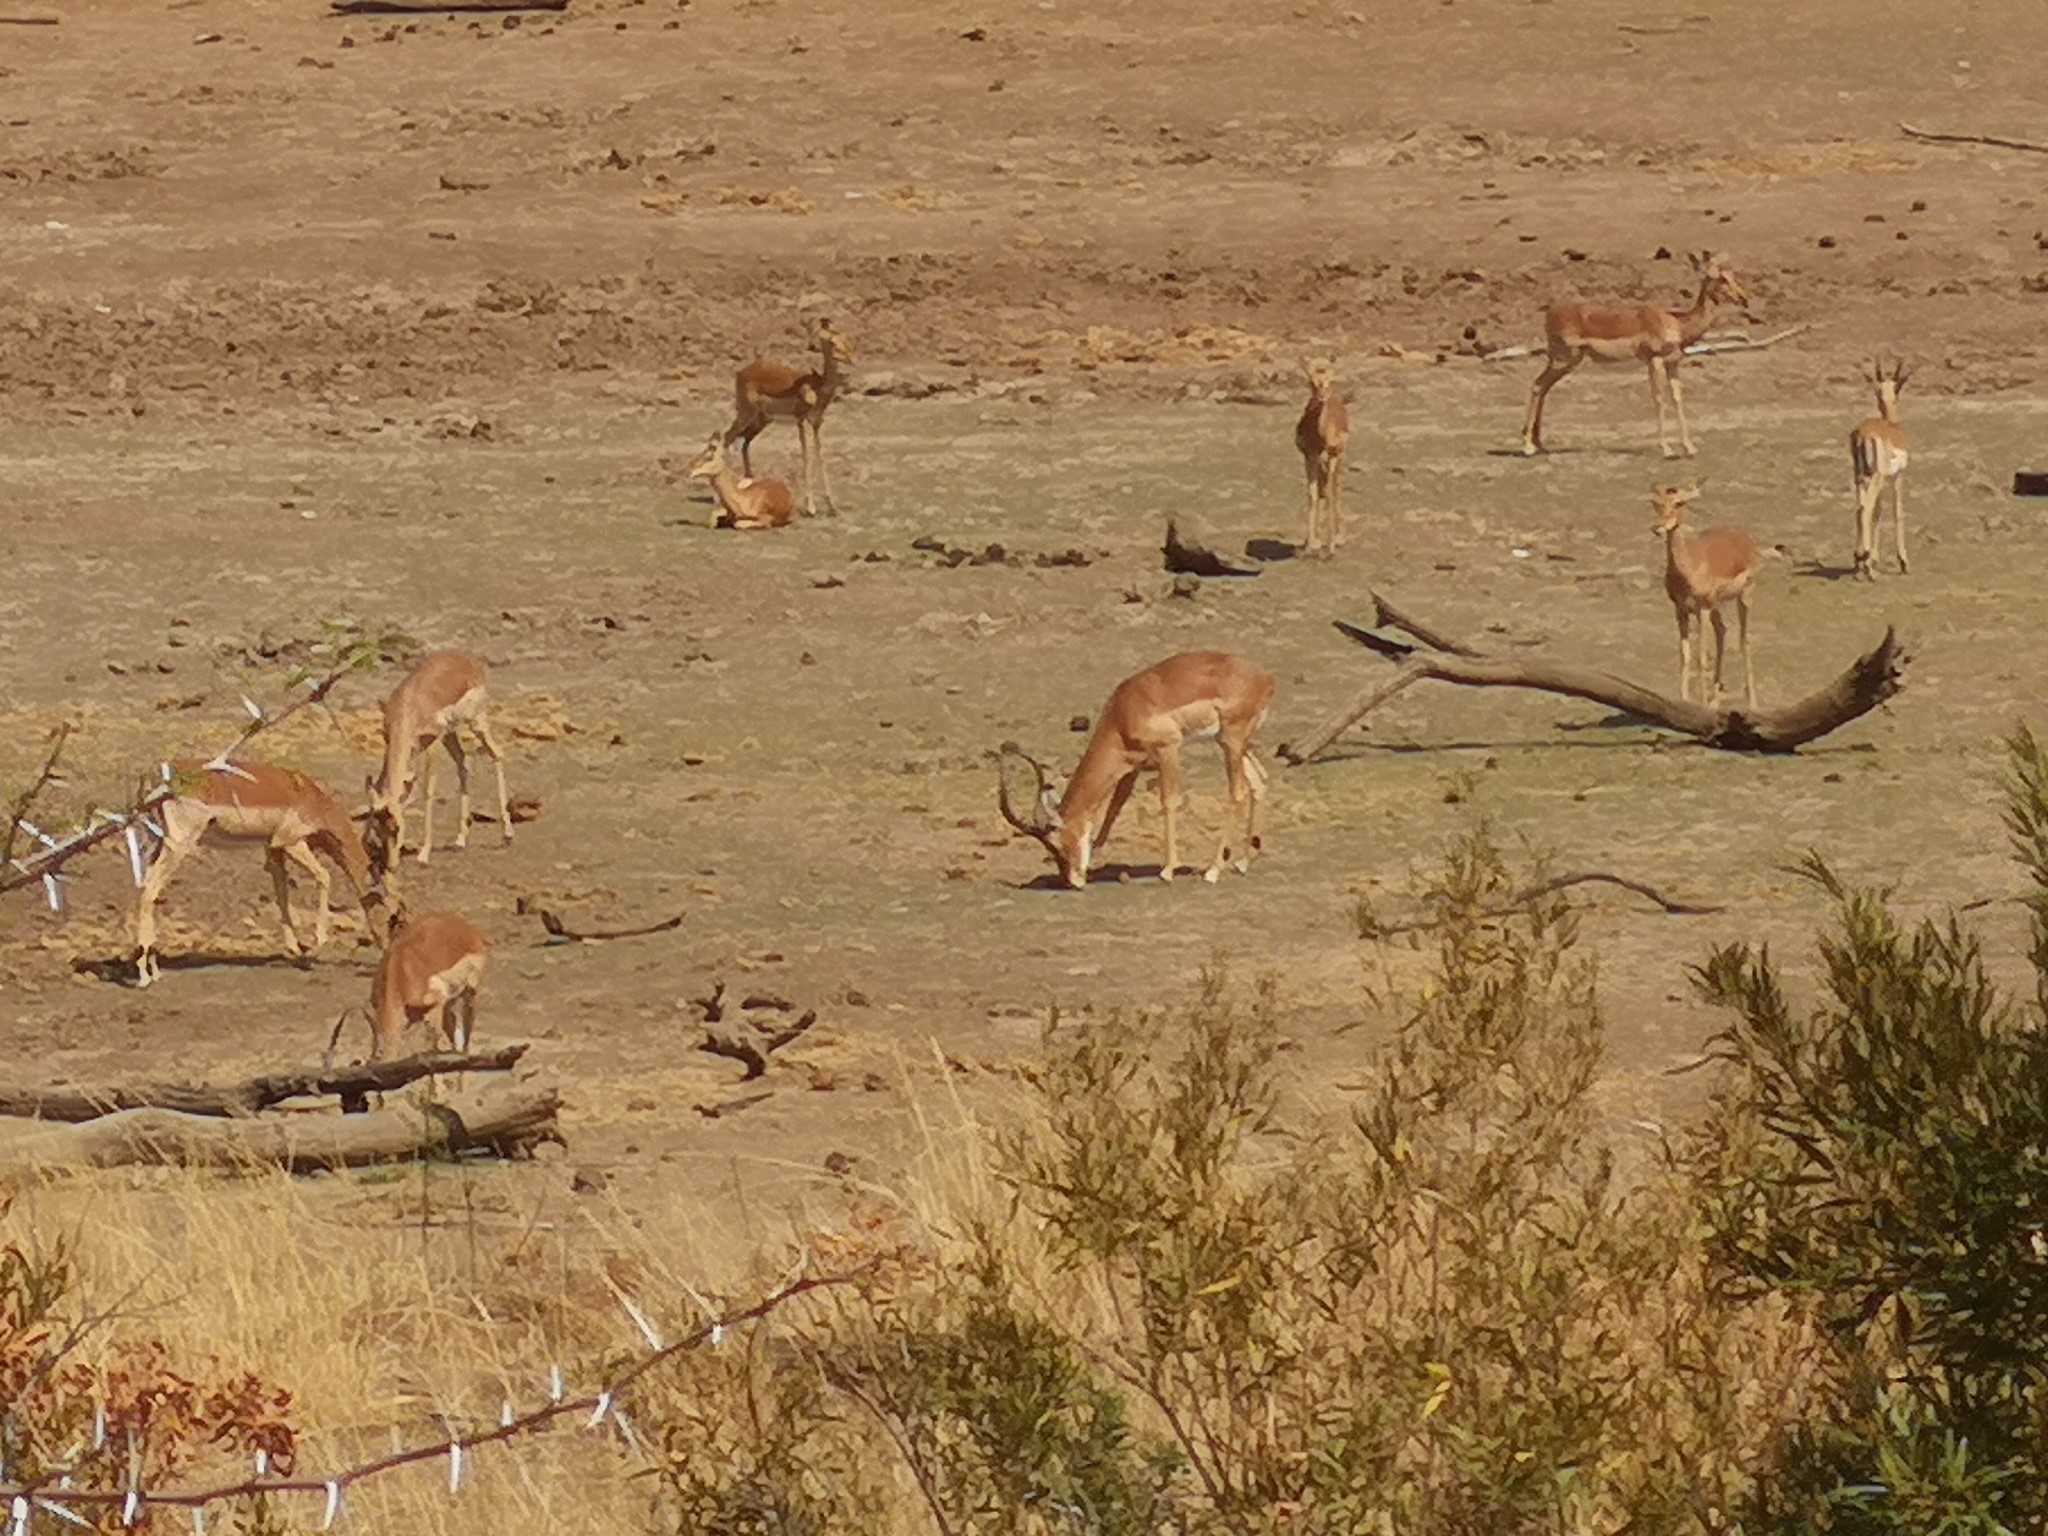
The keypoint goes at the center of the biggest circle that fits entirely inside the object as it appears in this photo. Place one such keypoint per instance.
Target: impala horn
(1038, 826)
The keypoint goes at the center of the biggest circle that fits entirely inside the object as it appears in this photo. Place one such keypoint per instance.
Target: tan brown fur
(1575, 333)
(742, 503)
(1147, 718)
(765, 392)
(443, 693)
(1703, 572)
(1877, 458)
(431, 970)
(294, 816)
(1320, 435)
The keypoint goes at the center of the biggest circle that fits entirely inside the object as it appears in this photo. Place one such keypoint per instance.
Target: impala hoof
(1213, 873)
(1530, 449)
(1166, 877)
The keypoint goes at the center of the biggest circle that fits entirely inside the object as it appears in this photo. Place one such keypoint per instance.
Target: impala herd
(432, 964)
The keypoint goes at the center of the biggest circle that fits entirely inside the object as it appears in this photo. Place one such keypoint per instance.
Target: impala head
(379, 823)
(1888, 385)
(1320, 376)
(1718, 281)
(710, 462)
(832, 342)
(1069, 846)
(1670, 501)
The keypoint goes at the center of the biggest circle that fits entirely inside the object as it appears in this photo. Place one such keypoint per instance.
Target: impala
(1185, 698)
(765, 392)
(294, 817)
(743, 503)
(441, 695)
(1702, 572)
(1877, 451)
(431, 971)
(1320, 435)
(1657, 338)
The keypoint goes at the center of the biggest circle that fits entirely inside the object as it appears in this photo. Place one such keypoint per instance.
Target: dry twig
(1521, 899)
(1934, 136)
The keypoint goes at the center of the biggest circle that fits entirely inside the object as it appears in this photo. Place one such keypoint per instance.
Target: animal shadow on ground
(1820, 570)
(1271, 549)
(120, 969)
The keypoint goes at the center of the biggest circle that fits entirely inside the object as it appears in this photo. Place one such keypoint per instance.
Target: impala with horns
(1877, 453)
(1575, 333)
(292, 815)
(1185, 698)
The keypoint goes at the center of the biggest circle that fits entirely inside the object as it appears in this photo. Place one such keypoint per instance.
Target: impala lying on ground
(1610, 333)
(1877, 451)
(1185, 698)
(1703, 571)
(742, 503)
(441, 695)
(765, 392)
(430, 973)
(1320, 435)
(295, 817)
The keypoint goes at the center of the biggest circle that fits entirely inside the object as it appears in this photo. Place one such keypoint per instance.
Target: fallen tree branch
(1869, 681)
(560, 933)
(73, 1106)
(1373, 929)
(506, 1123)
(754, 1053)
(28, 21)
(1933, 136)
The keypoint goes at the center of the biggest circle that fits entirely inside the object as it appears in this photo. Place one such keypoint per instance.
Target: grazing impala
(1702, 571)
(1657, 338)
(742, 503)
(430, 973)
(765, 392)
(294, 816)
(1877, 450)
(1184, 698)
(442, 694)
(1320, 435)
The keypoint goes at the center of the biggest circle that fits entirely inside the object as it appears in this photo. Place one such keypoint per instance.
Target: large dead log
(1870, 680)
(507, 1122)
(352, 1084)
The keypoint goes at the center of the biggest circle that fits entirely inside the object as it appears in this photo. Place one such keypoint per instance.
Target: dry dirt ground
(414, 322)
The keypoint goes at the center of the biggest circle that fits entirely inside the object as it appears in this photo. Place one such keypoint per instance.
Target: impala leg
(426, 804)
(281, 888)
(1255, 796)
(1898, 520)
(1234, 774)
(1657, 386)
(453, 743)
(1678, 404)
(1720, 652)
(323, 884)
(1337, 501)
(1311, 478)
(742, 431)
(1117, 797)
(490, 746)
(748, 433)
(1169, 797)
(1532, 425)
(179, 842)
(824, 479)
(459, 1021)
(1748, 667)
(1866, 529)
(1684, 655)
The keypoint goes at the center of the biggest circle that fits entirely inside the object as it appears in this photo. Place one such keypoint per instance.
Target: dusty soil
(413, 323)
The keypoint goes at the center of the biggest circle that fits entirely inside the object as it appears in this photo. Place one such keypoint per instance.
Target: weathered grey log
(1870, 680)
(507, 1122)
(76, 1105)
